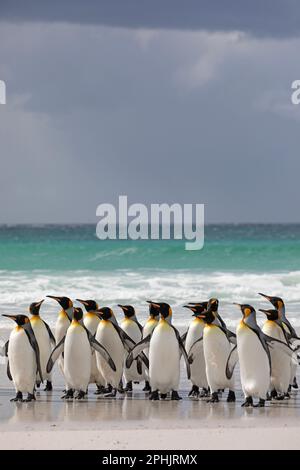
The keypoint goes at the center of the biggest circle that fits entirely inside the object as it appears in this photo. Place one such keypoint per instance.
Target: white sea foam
(19, 289)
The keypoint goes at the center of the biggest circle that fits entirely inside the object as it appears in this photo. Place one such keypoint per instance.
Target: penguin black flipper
(55, 354)
(129, 344)
(6, 348)
(51, 335)
(195, 349)
(183, 352)
(273, 343)
(137, 350)
(229, 334)
(231, 362)
(34, 344)
(183, 337)
(101, 350)
(8, 371)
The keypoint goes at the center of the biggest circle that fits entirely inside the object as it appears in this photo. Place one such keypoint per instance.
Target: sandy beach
(133, 422)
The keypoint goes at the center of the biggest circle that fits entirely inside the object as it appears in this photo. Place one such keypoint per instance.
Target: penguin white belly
(254, 363)
(43, 340)
(91, 322)
(22, 361)
(109, 338)
(198, 368)
(281, 362)
(216, 351)
(77, 358)
(164, 359)
(131, 374)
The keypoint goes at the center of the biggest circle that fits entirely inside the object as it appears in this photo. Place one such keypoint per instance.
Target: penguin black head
(272, 314)
(198, 308)
(90, 305)
(153, 309)
(64, 302)
(128, 310)
(213, 305)
(34, 308)
(19, 319)
(164, 309)
(246, 309)
(77, 314)
(105, 313)
(277, 302)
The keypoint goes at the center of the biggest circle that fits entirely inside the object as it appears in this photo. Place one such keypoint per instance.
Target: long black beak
(12, 317)
(83, 302)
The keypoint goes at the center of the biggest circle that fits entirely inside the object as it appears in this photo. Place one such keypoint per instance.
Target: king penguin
(220, 356)
(151, 323)
(91, 321)
(292, 336)
(194, 348)
(254, 356)
(23, 358)
(281, 362)
(165, 345)
(63, 322)
(45, 339)
(136, 372)
(116, 341)
(76, 346)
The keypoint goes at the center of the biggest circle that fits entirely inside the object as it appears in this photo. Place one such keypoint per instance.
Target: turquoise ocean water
(236, 262)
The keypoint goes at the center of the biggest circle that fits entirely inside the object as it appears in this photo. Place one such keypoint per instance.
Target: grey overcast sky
(165, 101)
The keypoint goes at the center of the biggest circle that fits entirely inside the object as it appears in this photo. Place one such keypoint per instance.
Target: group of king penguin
(93, 348)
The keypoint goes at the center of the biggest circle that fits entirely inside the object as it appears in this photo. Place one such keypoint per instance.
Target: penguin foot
(287, 396)
(112, 394)
(204, 393)
(18, 397)
(163, 396)
(274, 393)
(48, 387)
(147, 387)
(295, 384)
(128, 387)
(194, 392)
(260, 404)
(175, 396)
(154, 395)
(30, 397)
(268, 397)
(290, 388)
(214, 398)
(68, 394)
(101, 389)
(79, 395)
(38, 384)
(231, 396)
(279, 397)
(248, 402)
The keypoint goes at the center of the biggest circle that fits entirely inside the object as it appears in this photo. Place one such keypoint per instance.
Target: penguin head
(77, 314)
(90, 305)
(249, 314)
(197, 308)
(34, 308)
(19, 319)
(213, 305)
(153, 309)
(128, 310)
(105, 313)
(164, 309)
(277, 302)
(64, 302)
(272, 314)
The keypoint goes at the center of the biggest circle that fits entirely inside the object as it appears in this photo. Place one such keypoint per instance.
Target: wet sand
(133, 422)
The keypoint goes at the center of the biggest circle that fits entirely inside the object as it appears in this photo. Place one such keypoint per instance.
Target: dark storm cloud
(262, 18)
